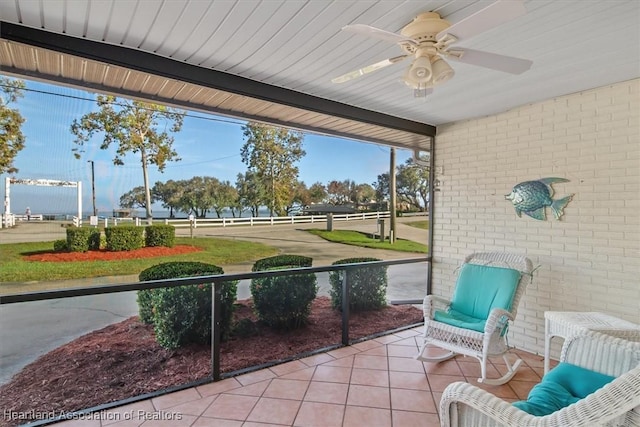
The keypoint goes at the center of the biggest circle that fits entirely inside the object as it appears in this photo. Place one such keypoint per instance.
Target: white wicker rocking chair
(615, 404)
(474, 323)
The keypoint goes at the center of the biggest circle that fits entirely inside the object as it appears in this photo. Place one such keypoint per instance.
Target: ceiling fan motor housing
(423, 29)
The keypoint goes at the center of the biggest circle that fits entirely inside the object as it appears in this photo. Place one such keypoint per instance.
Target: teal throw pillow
(580, 382)
(562, 386)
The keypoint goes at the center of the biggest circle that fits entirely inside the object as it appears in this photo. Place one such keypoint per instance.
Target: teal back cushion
(563, 385)
(481, 288)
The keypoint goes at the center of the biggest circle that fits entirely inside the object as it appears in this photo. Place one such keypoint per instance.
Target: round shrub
(368, 285)
(124, 238)
(281, 261)
(182, 314)
(160, 235)
(284, 302)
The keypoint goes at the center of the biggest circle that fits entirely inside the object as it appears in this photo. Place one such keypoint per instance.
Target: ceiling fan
(429, 39)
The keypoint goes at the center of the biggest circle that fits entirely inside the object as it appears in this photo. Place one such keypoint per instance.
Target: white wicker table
(568, 323)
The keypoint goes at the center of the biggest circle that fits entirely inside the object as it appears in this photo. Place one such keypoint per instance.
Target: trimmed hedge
(160, 235)
(283, 302)
(182, 314)
(368, 285)
(124, 238)
(81, 239)
(60, 245)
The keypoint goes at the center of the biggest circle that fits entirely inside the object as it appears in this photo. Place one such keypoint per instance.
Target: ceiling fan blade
(495, 14)
(377, 33)
(368, 69)
(508, 64)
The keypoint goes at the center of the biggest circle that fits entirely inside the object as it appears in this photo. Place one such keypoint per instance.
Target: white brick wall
(590, 260)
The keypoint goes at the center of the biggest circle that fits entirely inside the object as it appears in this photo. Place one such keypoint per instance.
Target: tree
(11, 137)
(251, 193)
(169, 193)
(133, 198)
(362, 194)
(317, 193)
(338, 192)
(271, 153)
(300, 198)
(413, 184)
(224, 195)
(197, 197)
(381, 187)
(133, 126)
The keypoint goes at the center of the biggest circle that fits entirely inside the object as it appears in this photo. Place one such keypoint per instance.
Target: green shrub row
(182, 314)
(283, 301)
(368, 285)
(121, 238)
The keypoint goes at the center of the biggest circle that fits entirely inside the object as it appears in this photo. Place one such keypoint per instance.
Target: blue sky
(208, 145)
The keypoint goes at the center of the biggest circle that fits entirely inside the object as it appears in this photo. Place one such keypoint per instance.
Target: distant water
(157, 214)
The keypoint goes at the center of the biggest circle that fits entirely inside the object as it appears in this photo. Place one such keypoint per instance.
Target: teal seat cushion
(481, 288)
(562, 386)
(460, 320)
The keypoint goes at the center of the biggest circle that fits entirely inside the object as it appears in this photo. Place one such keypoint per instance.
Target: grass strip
(365, 240)
(13, 267)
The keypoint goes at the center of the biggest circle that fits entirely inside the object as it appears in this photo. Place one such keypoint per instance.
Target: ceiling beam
(181, 71)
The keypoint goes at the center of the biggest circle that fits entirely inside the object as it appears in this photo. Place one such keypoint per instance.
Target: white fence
(10, 220)
(273, 220)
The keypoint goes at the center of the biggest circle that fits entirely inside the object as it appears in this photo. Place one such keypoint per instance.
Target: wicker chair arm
(498, 318)
(431, 303)
(466, 405)
(601, 353)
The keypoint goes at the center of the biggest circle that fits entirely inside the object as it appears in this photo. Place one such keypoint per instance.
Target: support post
(79, 203)
(7, 198)
(345, 307)
(216, 300)
(93, 188)
(392, 196)
(7, 203)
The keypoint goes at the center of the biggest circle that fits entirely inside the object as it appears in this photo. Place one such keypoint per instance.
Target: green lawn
(365, 240)
(419, 224)
(13, 268)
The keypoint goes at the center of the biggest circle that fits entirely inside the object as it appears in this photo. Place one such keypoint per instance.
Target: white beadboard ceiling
(575, 45)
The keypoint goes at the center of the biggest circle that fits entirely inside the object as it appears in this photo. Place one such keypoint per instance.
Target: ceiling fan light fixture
(441, 71)
(420, 70)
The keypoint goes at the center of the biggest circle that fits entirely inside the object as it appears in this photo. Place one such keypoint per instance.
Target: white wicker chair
(616, 404)
(481, 345)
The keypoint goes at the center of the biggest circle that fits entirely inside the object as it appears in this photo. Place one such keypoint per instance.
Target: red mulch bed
(124, 360)
(104, 255)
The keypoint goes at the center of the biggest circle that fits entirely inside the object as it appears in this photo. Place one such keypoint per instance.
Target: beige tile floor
(372, 383)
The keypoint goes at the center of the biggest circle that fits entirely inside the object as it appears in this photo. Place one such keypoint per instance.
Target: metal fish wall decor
(532, 197)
